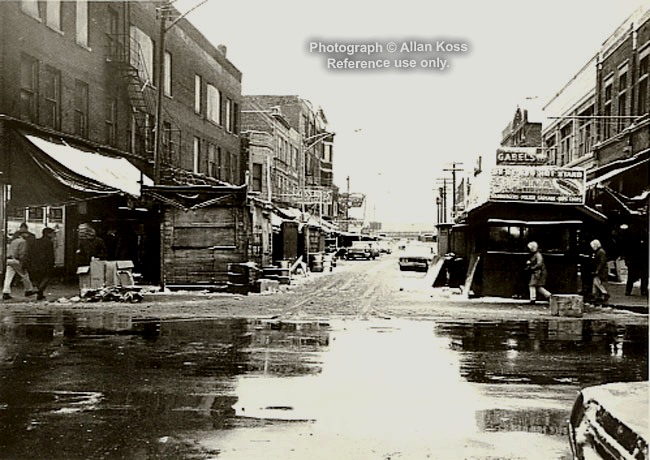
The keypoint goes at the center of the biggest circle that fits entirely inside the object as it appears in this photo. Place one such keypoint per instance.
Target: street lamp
(307, 144)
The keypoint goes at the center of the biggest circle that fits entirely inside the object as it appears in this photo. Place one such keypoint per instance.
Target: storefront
(543, 204)
(60, 182)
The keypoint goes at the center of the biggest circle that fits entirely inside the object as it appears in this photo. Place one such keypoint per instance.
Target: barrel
(316, 262)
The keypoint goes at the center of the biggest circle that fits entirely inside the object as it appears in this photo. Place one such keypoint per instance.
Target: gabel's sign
(540, 184)
(522, 156)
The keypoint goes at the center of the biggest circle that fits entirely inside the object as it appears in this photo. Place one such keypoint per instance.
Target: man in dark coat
(89, 245)
(42, 262)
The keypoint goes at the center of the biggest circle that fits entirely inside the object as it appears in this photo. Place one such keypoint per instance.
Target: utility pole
(442, 200)
(347, 206)
(163, 12)
(453, 185)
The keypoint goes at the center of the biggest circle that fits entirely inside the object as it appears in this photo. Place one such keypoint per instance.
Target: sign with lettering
(532, 156)
(315, 195)
(540, 184)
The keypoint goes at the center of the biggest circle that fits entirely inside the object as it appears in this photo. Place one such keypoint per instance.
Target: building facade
(86, 75)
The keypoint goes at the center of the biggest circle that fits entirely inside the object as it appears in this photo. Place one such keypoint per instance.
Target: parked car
(417, 260)
(362, 250)
(610, 421)
(385, 247)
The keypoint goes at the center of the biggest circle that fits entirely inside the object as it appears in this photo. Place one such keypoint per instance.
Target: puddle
(117, 386)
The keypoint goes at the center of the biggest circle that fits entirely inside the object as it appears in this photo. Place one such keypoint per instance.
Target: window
(221, 161)
(510, 238)
(81, 108)
(642, 103)
(28, 88)
(112, 34)
(53, 14)
(233, 169)
(212, 160)
(622, 98)
(198, 85)
(607, 109)
(214, 105)
(166, 142)
(36, 214)
(196, 155)
(229, 124)
(167, 86)
(235, 118)
(110, 122)
(82, 22)
(31, 7)
(142, 54)
(227, 172)
(257, 177)
(51, 97)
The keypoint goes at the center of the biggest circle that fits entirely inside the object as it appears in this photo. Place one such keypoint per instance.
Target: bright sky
(396, 130)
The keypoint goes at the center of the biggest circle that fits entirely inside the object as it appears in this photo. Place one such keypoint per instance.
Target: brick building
(315, 152)
(81, 77)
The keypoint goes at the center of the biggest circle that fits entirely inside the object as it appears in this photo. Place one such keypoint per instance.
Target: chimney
(223, 49)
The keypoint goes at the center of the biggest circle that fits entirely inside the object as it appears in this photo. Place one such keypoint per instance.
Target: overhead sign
(522, 156)
(315, 195)
(353, 200)
(541, 184)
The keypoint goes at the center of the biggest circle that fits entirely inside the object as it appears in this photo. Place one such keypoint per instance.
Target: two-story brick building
(78, 100)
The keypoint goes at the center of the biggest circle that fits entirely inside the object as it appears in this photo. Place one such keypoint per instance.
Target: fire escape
(126, 55)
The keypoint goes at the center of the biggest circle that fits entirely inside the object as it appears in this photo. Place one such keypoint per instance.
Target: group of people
(599, 273)
(32, 259)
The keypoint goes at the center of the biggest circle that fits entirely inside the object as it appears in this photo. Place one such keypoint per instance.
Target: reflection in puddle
(117, 386)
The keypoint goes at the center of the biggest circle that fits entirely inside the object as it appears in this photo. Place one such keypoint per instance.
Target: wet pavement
(79, 385)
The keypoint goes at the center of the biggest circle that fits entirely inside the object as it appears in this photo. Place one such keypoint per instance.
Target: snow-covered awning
(116, 173)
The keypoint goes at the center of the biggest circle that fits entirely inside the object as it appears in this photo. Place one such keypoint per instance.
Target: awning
(51, 171)
(116, 173)
(616, 168)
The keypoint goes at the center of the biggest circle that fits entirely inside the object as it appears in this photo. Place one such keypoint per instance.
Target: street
(364, 362)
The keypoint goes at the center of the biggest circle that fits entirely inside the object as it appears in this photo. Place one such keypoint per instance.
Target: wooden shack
(204, 228)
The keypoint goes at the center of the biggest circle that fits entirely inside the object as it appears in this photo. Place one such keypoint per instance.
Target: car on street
(610, 421)
(416, 259)
(362, 250)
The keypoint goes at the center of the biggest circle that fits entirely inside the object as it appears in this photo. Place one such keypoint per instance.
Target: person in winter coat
(600, 272)
(17, 259)
(537, 268)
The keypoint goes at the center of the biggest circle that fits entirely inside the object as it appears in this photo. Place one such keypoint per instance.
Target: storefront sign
(541, 184)
(521, 156)
(314, 195)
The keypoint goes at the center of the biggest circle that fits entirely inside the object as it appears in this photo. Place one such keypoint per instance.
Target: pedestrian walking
(636, 260)
(42, 262)
(537, 268)
(17, 259)
(600, 272)
(89, 245)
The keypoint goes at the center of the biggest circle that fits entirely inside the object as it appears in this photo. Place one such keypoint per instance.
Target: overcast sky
(396, 130)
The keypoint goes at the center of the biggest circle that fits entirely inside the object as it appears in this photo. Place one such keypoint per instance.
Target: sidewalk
(619, 300)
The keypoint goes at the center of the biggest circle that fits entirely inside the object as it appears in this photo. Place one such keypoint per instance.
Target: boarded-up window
(205, 228)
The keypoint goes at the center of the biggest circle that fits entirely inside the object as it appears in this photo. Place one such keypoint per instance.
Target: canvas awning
(51, 171)
(617, 168)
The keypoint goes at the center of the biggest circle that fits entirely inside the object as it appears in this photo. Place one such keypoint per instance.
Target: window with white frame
(214, 105)
(196, 157)
(53, 14)
(82, 22)
(228, 123)
(607, 107)
(198, 88)
(142, 54)
(167, 86)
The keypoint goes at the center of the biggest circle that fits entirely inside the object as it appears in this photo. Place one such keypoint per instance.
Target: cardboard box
(571, 305)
